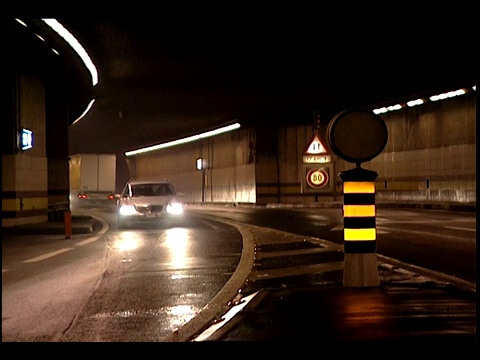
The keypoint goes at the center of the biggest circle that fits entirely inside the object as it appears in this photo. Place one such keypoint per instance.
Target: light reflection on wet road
(157, 279)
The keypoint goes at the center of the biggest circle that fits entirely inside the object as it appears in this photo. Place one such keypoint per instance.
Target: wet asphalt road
(140, 284)
(289, 287)
(296, 292)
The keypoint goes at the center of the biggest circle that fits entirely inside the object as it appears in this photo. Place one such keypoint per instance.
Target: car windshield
(152, 190)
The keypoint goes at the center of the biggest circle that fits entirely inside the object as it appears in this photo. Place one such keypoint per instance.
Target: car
(143, 202)
(94, 199)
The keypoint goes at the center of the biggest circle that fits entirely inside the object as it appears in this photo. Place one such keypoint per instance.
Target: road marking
(48, 255)
(398, 230)
(105, 228)
(210, 224)
(459, 228)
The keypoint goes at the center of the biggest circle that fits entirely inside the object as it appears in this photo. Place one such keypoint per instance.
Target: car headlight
(175, 208)
(127, 210)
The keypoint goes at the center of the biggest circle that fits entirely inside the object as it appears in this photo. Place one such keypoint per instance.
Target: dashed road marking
(460, 228)
(47, 256)
(104, 229)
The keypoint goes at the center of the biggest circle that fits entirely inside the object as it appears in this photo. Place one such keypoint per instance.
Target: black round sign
(357, 135)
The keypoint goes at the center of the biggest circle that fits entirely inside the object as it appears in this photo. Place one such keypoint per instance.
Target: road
(443, 241)
(132, 285)
(144, 284)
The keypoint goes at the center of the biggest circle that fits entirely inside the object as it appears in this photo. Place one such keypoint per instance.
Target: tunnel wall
(229, 174)
(25, 173)
(430, 156)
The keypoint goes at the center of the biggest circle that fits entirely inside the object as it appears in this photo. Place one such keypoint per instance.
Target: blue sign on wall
(26, 139)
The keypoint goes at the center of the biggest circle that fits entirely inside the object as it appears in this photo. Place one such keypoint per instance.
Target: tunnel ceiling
(171, 77)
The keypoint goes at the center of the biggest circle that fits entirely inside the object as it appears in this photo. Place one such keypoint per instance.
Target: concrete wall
(57, 109)
(229, 175)
(430, 156)
(25, 174)
(35, 182)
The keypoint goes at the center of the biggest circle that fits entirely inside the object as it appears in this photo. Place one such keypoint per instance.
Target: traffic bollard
(68, 224)
(359, 228)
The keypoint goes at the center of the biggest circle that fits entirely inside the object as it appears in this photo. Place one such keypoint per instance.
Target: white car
(148, 201)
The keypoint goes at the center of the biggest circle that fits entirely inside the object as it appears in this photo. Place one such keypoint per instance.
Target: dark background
(176, 74)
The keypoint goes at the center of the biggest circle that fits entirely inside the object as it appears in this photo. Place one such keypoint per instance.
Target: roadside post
(359, 228)
(358, 136)
(201, 165)
(67, 216)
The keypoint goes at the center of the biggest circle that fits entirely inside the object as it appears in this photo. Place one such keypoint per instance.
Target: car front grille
(149, 209)
(156, 208)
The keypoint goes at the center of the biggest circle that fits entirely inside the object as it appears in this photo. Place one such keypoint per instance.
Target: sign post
(358, 136)
(201, 165)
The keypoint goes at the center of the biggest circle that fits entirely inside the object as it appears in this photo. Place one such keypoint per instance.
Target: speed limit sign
(317, 178)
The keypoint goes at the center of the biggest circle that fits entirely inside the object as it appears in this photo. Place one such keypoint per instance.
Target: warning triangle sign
(315, 146)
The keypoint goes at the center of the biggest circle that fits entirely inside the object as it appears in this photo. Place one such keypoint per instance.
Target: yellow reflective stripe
(33, 203)
(361, 187)
(358, 210)
(359, 234)
(10, 204)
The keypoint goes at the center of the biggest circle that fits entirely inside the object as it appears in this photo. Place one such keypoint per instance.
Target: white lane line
(211, 225)
(459, 228)
(105, 228)
(48, 255)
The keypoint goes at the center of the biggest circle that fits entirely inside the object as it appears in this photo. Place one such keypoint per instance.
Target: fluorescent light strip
(447, 95)
(89, 106)
(184, 140)
(70, 39)
(21, 22)
(420, 101)
(415, 102)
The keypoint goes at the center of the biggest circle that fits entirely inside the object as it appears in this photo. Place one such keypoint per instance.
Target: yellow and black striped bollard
(359, 228)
